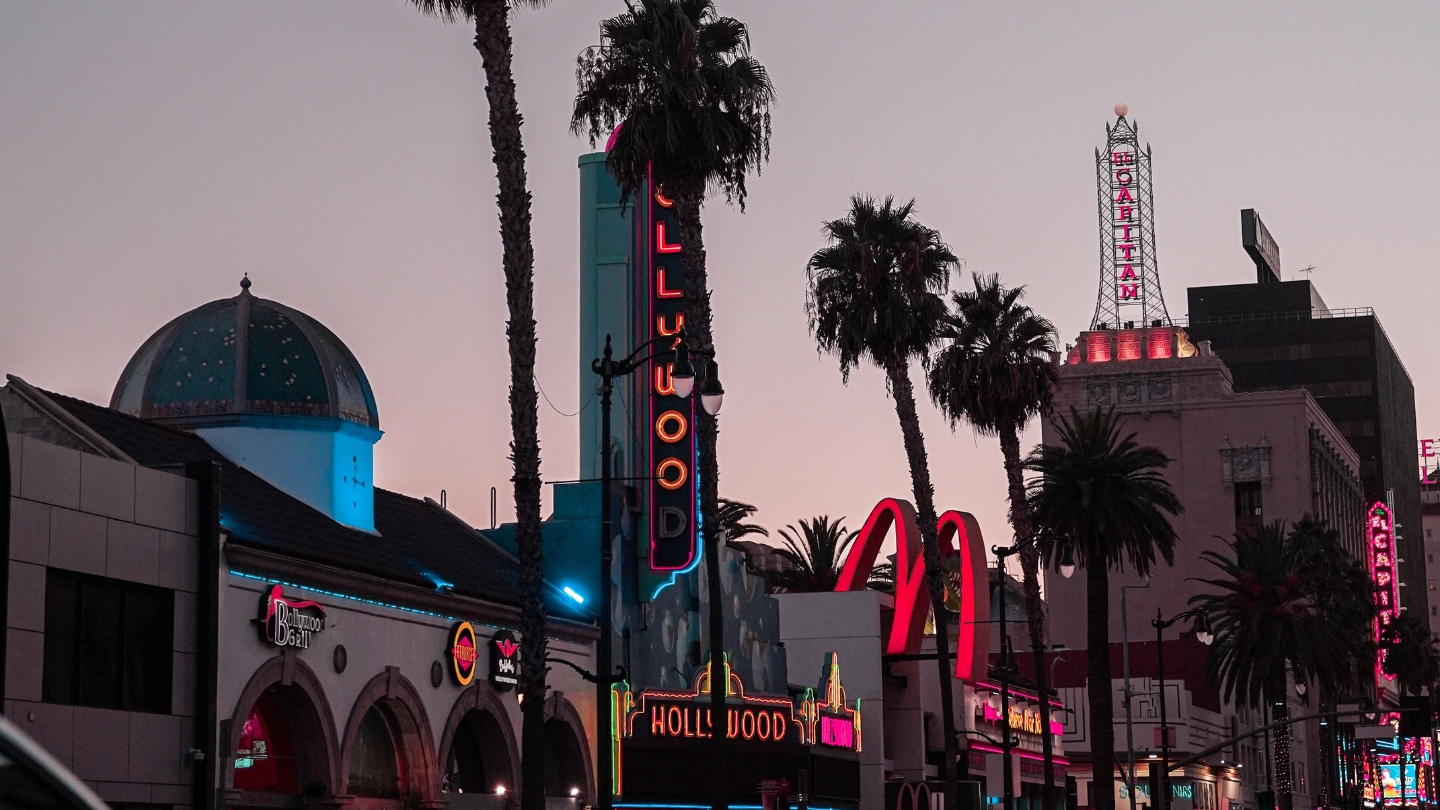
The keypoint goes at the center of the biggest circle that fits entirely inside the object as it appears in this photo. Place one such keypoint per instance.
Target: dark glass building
(1279, 335)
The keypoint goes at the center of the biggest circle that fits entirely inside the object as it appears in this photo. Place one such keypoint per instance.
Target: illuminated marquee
(912, 598)
(1129, 276)
(671, 419)
(1380, 531)
(289, 622)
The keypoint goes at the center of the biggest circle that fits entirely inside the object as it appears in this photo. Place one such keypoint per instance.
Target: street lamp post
(1129, 693)
(1202, 632)
(683, 378)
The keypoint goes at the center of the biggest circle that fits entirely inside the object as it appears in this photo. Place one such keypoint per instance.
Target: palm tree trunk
(1102, 707)
(1279, 710)
(697, 331)
(492, 40)
(899, 373)
(1034, 606)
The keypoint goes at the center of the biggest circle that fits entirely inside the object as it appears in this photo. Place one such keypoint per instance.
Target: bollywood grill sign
(288, 622)
(1380, 531)
(671, 418)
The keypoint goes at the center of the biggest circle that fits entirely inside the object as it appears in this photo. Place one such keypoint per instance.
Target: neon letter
(662, 291)
(661, 246)
(664, 386)
(1125, 214)
(1129, 272)
(670, 426)
(680, 473)
(912, 598)
(1122, 197)
(673, 721)
(1128, 248)
(1128, 291)
(657, 721)
(672, 330)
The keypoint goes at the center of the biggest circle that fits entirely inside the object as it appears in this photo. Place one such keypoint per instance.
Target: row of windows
(1323, 390)
(1364, 427)
(108, 643)
(1296, 351)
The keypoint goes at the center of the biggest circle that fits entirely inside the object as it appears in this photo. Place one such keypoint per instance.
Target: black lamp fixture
(1067, 563)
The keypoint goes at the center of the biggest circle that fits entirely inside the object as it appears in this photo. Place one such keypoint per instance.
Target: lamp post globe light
(711, 396)
(1204, 635)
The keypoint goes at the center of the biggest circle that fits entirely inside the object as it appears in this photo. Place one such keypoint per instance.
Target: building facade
(211, 604)
(1238, 460)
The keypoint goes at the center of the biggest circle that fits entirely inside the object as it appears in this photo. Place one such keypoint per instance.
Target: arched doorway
(480, 751)
(281, 738)
(568, 767)
(479, 762)
(564, 763)
(389, 755)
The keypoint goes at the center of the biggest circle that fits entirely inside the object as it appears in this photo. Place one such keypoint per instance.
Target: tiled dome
(199, 369)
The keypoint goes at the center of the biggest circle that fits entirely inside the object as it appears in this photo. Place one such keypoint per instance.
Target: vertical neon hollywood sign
(1380, 530)
(671, 419)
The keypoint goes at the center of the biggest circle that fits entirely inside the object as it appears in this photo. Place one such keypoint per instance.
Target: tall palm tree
(995, 372)
(1410, 653)
(875, 296)
(816, 550)
(1102, 499)
(732, 516)
(693, 108)
(1278, 614)
(491, 19)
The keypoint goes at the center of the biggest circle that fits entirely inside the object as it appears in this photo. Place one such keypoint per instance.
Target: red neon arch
(912, 599)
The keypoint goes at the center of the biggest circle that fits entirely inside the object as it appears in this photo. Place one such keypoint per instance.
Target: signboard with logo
(504, 661)
(830, 721)
(463, 652)
(288, 622)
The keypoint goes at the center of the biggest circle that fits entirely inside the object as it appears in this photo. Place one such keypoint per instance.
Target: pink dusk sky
(151, 153)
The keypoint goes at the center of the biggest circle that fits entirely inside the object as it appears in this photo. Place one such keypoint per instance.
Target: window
(1248, 511)
(1432, 584)
(107, 643)
(1433, 612)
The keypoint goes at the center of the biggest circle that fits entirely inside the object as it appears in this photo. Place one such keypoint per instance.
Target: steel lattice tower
(1129, 277)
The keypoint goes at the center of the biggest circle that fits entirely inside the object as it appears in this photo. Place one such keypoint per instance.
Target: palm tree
(1410, 653)
(875, 297)
(732, 516)
(1102, 500)
(995, 372)
(492, 40)
(693, 111)
(1278, 613)
(816, 551)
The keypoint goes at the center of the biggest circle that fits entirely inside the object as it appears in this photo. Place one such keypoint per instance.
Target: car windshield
(22, 788)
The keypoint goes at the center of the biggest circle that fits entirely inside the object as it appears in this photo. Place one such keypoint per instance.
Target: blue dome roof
(202, 369)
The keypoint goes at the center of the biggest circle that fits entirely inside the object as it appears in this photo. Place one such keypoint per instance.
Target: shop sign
(289, 622)
(962, 549)
(686, 715)
(463, 653)
(671, 419)
(504, 661)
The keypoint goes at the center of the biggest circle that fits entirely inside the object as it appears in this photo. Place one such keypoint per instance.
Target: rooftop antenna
(1308, 270)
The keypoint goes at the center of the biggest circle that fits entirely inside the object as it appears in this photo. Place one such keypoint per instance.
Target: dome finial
(245, 284)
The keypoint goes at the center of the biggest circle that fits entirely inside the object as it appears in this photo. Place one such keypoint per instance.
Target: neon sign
(1380, 531)
(673, 485)
(462, 653)
(1129, 277)
(912, 598)
(686, 715)
(504, 661)
(838, 725)
(289, 622)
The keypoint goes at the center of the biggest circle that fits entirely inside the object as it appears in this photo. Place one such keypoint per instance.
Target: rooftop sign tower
(1129, 278)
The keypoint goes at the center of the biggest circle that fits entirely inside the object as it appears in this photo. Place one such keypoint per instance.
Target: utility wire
(552, 405)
